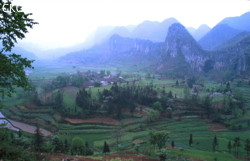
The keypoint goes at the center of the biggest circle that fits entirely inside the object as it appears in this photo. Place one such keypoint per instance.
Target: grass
(133, 129)
(91, 139)
(84, 126)
(204, 155)
(68, 101)
(86, 131)
(94, 91)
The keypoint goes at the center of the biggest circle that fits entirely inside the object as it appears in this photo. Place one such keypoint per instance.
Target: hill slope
(201, 31)
(240, 22)
(153, 31)
(217, 36)
(235, 57)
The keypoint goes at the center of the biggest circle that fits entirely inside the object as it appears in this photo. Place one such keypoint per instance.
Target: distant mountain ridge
(24, 53)
(179, 46)
(198, 33)
(225, 30)
(179, 54)
(153, 31)
(217, 36)
(148, 30)
(240, 22)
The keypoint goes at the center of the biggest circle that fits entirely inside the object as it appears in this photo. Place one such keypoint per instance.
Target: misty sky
(63, 23)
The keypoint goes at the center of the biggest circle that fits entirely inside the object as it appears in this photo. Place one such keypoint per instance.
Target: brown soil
(29, 128)
(48, 95)
(71, 91)
(166, 85)
(215, 127)
(134, 157)
(127, 122)
(105, 158)
(31, 105)
(55, 157)
(107, 121)
(140, 110)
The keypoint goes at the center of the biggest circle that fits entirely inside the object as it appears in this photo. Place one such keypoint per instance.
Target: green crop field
(135, 131)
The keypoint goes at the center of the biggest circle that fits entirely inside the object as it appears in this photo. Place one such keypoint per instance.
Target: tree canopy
(14, 24)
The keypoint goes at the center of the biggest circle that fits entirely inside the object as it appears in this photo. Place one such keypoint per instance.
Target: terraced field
(134, 131)
(28, 128)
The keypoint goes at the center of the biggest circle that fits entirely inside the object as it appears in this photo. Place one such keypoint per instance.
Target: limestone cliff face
(179, 41)
(235, 57)
(120, 44)
(180, 54)
(120, 47)
(179, 44)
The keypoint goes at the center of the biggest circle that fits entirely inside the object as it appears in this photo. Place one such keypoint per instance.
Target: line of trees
(117, 98)
(232, 146)
(76, 147)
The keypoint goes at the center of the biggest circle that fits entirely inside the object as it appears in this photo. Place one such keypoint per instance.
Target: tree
(83, 100)
(36, 98)
(105, 148)
(162, 154)
(228, 87)
(38, 139)
(97, 84)
(132, 108)
(215, 143)
(187, 95)
(157, 106)
(13, 26)
(152, 115)
(229, 146)
(209, 65)
(236, 145)
(61, 81)
(57, 145)
(66, 146)
(190, 140)
(117, 134)
(177, 83)
(170, 112)
(102, 72)
(247, 147)
(77, 145)
(191, 81)
(172, 144)
(170, 95)
(87, 149)
(20, 134)
(207, 105)
(10, 150)
(58, 100)
(77, 80)
(158, 139)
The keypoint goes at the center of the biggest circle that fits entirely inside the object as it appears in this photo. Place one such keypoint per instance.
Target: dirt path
(106, 158)
(66, 157)
(29, 128)
(107, 121)
(132, 157)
